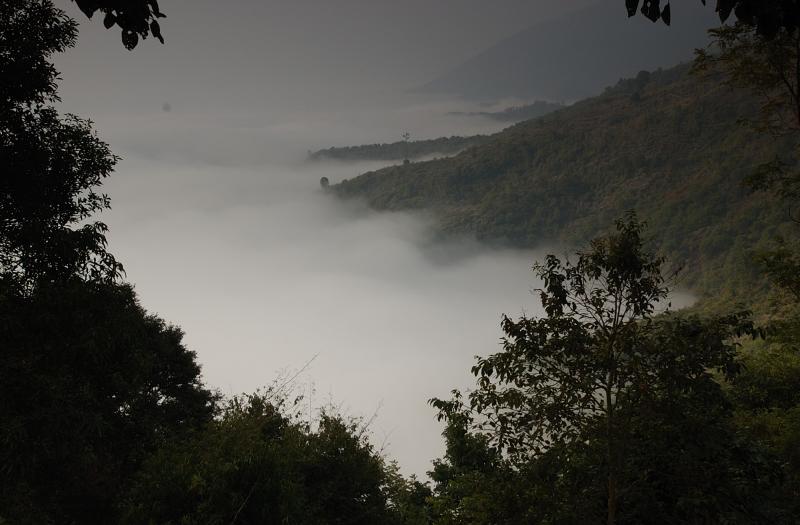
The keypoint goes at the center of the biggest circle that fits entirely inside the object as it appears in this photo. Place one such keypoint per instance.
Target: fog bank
(225, 232)
(264, 271)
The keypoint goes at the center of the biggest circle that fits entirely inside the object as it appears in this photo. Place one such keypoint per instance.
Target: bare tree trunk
(611, 458)
(612, 499)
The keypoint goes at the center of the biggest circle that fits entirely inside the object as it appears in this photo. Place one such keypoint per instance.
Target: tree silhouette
(89, 382)
(135, 18)
(768, 17)
(260, 463)
(599, 371)
(52, 164)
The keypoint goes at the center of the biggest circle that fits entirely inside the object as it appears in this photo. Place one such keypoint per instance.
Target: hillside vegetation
(668, 145)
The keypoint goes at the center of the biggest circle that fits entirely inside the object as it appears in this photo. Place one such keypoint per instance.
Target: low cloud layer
(225, 232)
(264, 271)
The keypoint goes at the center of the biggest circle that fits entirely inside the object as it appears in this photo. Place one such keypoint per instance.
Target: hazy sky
(223, 228)
(255, 53)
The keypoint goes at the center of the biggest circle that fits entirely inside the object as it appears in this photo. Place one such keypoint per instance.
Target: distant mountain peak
(576, 55)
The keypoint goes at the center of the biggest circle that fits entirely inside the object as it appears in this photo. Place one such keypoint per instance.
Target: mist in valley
(414, 263)
(224, 230)
(265, 272)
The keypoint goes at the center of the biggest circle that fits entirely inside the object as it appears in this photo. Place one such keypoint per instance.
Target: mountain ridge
(596, 46)
(668, 145)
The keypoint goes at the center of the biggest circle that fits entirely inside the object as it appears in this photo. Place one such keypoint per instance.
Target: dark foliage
(626, 406)
(48, 192)
(768, 17)
(52, 164)
(90, 384)
(30, 32)
(136, 18)
(259, 463)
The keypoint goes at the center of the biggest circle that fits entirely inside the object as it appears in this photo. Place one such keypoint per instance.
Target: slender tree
(587, 372)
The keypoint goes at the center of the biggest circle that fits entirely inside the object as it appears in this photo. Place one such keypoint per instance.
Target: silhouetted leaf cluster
(30, 33)
(135, 18)
(767, 17)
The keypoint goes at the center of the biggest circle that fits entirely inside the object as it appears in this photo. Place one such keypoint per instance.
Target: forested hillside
(667, 144)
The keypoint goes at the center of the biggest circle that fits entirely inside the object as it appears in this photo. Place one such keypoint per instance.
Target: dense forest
(604, 409)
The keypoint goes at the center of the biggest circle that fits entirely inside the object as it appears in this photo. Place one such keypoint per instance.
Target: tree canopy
(53, 164)
(90, 383)
(262, 462)
(598, 384)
